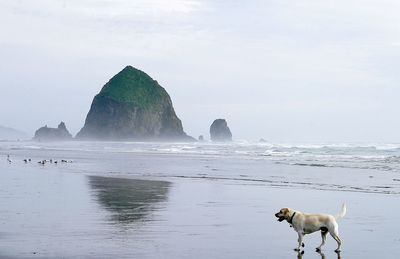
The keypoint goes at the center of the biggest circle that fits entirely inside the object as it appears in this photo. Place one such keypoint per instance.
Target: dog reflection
(300, 255)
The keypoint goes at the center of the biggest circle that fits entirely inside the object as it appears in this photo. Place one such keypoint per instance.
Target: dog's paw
(318, 249)
(302, 244)
(337, 250)
(296, 249)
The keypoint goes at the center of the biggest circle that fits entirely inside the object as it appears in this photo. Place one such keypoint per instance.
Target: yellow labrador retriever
(304, 223)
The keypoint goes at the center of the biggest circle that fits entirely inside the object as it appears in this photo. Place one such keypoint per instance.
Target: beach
(111, 203)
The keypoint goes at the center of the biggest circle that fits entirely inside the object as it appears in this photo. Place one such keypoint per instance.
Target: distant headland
(7, 133)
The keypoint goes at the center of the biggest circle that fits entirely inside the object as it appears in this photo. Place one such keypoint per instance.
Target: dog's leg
(323, 235)
(321, 254)
(335, 235)
(300, 254)
(300, 240)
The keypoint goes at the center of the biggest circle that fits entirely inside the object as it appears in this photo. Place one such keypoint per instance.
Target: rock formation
(132, 106)
(219, 131)
(52, 134)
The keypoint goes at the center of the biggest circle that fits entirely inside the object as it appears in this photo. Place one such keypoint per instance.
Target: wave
(377, 156)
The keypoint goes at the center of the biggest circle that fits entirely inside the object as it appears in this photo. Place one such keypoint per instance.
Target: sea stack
(219, 131)
(132, 106)
(53, 134)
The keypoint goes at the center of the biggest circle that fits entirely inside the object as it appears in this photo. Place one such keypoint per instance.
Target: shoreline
(259, 171)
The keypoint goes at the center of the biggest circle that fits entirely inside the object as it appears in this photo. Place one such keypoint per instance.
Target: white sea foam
(381, 156)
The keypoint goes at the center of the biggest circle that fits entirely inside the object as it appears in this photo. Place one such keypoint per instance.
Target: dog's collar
(291, 218)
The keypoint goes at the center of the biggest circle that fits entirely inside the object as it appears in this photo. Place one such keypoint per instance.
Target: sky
(285, 71)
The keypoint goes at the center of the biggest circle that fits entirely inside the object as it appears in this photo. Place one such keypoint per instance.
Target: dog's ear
(286, 212)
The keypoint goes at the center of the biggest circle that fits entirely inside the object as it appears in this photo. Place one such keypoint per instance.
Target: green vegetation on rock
(133, 86)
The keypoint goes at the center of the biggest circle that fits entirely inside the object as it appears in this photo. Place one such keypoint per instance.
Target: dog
(304, 223)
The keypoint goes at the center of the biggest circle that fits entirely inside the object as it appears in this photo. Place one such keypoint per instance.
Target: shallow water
(172, 206)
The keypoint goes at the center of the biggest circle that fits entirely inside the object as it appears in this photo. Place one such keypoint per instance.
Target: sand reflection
(128, 200)
(300, 255)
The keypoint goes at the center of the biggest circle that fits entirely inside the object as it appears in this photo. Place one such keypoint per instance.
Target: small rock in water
(219, 131)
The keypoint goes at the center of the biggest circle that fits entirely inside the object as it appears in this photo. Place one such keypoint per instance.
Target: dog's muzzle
(280, 218)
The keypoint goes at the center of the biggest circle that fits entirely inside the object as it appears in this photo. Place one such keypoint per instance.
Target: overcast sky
(286, 71)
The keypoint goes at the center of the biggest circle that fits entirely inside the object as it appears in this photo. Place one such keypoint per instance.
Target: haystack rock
(219, 131)
(53, 134)
(132, 106)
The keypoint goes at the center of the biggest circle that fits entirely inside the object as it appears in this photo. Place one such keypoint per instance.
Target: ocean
(385, 156)
(364, 158)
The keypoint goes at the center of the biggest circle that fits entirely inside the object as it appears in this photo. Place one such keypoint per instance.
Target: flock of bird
(42, 162)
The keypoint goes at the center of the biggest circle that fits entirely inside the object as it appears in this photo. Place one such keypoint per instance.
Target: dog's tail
(342, 213)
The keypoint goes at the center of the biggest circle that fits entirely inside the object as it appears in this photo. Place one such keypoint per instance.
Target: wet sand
(160, 206)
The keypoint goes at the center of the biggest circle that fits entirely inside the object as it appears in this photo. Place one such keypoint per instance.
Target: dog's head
(283, 214)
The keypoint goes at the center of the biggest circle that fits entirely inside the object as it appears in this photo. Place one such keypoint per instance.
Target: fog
(285, 71)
